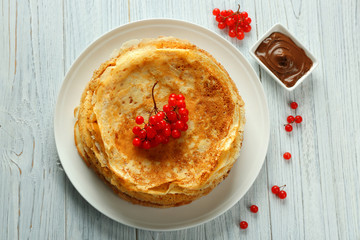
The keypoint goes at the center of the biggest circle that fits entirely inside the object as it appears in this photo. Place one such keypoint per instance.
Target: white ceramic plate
(225, 195)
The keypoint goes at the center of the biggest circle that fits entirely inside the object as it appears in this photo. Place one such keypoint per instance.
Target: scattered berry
(243, 225)
(275, 189)
(287, 155)
(288, 128)
(139, 120)
(294, 105)
(254, 208)
(290, 119)
(282, 194)
(298, 119)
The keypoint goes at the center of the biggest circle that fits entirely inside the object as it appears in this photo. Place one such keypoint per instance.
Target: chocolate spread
(284, 58)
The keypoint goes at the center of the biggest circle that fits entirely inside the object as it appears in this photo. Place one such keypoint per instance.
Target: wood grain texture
(41, 39)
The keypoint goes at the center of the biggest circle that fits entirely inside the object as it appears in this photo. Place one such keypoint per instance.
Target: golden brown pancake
(184, 169)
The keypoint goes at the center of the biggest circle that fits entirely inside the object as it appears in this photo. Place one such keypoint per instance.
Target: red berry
(137, 142)
(172, 116)
(184, 118)
(183, 111)
(240, 35)
(173, 126)
(282, 194)
(275, 189)
(150, 132)
(179, 125)
(247, 28)
(229, 12)
(223, 13)
(158, 126)
(287, 155)
(173, 95)
(146, 144)
(288, 128)
(230, 21)
(185, 127)
(254, 208)
(181, 104)
(166, 108)
(153, 120)
(244, 14)
(294, 105)
(219, 18)
(290, 119)
(175, 133)
(216, 11)
(159, 138)
(160, 116)
(243, 225)
(166, 140)
(167, 125)
(136, 130)
(139, 120)
(163, 124)
(172, 102)
(180, 97)
(167, 132)
(247, 20)
(221, 25)
(298, 119)
(142, 134)
(232, 33)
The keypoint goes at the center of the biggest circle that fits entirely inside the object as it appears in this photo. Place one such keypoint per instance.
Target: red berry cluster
(291, 119)
(164, 124)
(238, 22)
(278, 191)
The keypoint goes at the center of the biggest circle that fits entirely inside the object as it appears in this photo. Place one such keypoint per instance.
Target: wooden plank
(32, 185)
(84, 21)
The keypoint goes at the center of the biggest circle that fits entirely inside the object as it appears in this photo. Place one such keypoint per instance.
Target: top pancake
(122, 90)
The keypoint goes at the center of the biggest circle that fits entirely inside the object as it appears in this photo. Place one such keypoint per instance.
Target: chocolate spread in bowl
(284, 58)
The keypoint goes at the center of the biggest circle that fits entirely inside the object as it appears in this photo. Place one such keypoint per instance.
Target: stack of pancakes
(184, 169)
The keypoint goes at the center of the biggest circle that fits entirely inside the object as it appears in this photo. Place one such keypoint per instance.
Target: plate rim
(178, 22)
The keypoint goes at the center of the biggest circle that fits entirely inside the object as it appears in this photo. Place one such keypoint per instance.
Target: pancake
(184, 169)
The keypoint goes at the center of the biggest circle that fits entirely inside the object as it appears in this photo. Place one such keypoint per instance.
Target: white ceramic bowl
(280, 28)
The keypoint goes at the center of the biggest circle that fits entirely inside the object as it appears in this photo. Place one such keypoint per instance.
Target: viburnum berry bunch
(162, 124)
(237, 22)
(291, 119)
(278, 191)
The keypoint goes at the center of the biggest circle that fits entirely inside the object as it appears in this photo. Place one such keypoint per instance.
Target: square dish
(281, 29)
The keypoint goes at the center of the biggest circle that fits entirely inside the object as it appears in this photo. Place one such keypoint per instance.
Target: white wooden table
(41, 39)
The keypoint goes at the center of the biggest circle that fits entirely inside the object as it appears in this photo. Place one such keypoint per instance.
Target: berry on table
(298, 119)
(243, 225)
(254, 208)
(290, 119)
(221, 25)
(237, 22)
(288, 128)
(146, 144)
(287, 155)
(282, 194)
(216, 11)
(294, 105)
(275, 189)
